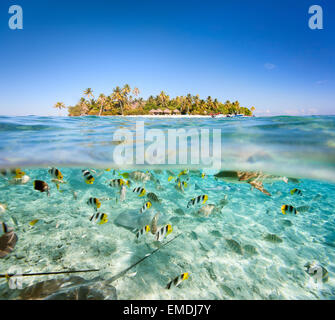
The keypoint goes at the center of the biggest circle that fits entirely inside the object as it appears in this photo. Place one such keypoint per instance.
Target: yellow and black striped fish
(41, 186)
(183, 172)
(146, 206)
(142, 231)
(286, 208)
(141, 191)
(12, 173)
(118, 183)
(89, 179)
(163, 232)
(55, 173)
(100, 218)
(178, 280)
(197, 200)
(57, 176)
(181, 185)
(296, 191)
(94, 202)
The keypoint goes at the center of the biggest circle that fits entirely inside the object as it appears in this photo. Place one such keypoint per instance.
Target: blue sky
(261, 53)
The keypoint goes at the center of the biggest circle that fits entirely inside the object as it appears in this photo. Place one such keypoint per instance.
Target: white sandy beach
(168, 116)
(179, 116)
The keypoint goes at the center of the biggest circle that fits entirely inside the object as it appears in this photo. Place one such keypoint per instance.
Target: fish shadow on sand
(69, 288)
(133, 220)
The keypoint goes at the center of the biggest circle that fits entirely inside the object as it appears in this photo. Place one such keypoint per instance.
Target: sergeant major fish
(142, 231)
(57, 176)
(178, 280)
(55, 173)
(140, 191)
(140, 176)
(183, 173)
(296, 191)
(197, 200)
(118, 183)
(286, 208)
(163, 232)
(180, 185)
(146, 206)
(94, 202)
(100, 218)
(12, 173)
(89, 179)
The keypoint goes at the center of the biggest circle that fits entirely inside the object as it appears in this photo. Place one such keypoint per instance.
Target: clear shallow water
(290, 146)
(65, 239)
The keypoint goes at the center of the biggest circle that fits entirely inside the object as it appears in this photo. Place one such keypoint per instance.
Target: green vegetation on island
(124, 101)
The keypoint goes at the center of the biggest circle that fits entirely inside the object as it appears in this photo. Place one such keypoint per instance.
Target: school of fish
(135, 182)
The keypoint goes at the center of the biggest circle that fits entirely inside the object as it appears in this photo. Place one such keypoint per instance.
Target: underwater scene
(75, 225)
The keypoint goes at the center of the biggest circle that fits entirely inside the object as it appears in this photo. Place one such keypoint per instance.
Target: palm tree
(109, 102)
(125, 91)
(126, 88)
(101, 100)
(216, 103)
(121, 98)
(196, 101)
(189, 100)
(209, 103)
(163, 98)
(136, 92)
(151, 100)
(118, 95)
(83, 107)
(236, 107)
(183, 102)
(88, 92)
(59, 106)
(141, 102)
(203, 106)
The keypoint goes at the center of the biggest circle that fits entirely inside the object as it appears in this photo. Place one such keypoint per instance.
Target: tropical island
(126, 101)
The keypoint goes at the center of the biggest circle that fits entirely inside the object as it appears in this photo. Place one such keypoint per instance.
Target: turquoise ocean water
(236, 245)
